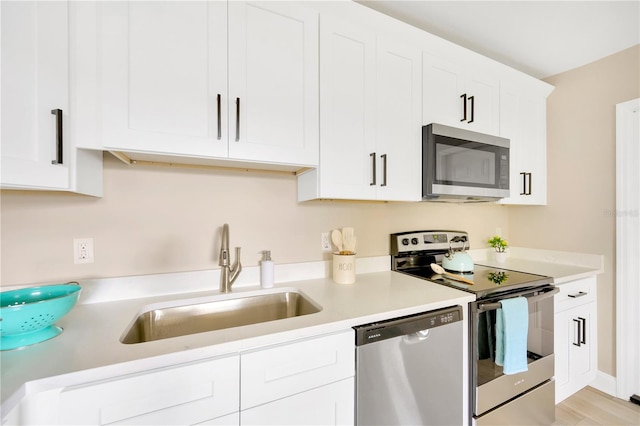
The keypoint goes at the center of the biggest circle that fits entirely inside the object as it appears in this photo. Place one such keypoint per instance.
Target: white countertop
(89, 349)
(561, 266)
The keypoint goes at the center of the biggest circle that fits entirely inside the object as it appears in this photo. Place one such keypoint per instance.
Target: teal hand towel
(512, 326)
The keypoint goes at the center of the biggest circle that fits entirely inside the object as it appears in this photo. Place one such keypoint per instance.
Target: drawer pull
(578, 294)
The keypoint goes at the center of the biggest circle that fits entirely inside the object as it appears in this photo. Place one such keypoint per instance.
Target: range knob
(414, 241)
(405, 241)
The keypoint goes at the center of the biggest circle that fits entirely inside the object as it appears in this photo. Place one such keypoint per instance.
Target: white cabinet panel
(35, 81)
(398, 131)
(183, 395)
(228, 420)
(459, 95)
(273, 74)
(327, 405)
(523, 122)
(369, 117)
(347, 110)
(161, 67)
(575, 339)
(207, 79)
(281, 371)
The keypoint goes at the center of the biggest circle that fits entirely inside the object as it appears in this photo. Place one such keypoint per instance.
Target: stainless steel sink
(180, 320)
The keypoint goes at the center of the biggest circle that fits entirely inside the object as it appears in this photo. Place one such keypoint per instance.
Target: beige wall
(581, 172)
(159, 219)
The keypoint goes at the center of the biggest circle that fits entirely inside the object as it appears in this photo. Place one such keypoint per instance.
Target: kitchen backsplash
(160, 219)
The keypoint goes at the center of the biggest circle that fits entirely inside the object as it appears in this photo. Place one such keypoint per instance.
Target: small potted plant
(500, 246)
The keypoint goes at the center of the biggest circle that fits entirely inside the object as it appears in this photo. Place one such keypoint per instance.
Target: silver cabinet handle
(59, 141)
(373, 165)
(384, 170)
(578, 294)
(237, 119)
(219, 102)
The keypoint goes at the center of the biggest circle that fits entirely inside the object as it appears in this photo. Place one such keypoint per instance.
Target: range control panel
(424, 240)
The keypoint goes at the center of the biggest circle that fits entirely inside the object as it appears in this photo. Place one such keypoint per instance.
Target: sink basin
(232, 311)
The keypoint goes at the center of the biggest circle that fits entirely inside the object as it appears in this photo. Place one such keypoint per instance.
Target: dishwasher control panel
(404, 326)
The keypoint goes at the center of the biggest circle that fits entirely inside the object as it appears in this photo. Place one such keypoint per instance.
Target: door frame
(627, 248)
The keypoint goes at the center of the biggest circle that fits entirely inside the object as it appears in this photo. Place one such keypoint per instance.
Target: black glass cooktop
(486, 280)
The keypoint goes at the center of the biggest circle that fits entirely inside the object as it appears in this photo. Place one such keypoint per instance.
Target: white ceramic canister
(344, 268)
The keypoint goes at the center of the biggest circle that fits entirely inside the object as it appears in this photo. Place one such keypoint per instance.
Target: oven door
(491, 388)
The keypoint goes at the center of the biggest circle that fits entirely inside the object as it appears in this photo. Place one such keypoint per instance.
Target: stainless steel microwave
(463, 166)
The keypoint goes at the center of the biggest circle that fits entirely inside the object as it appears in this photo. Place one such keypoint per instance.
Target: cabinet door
(455, 97)
(581, 349)
(161, 68)
(484, 108)
(442, 86)
(273, 83)
(523, 121)
(187, 394)
(281, 371)
(327, 405)
(398, 112)
(35, 81)
(347, 111)
(575, 349)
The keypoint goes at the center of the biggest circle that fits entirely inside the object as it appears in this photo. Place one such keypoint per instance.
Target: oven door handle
(497, 305)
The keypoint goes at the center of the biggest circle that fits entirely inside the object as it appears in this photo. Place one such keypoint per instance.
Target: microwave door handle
(532, 299)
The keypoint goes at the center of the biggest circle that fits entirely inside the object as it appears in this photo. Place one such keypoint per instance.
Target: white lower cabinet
(190, 394)
(305, 382)
(575, 342)
(331, 404)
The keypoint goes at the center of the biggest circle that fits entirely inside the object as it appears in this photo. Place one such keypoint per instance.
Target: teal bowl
(28, 315)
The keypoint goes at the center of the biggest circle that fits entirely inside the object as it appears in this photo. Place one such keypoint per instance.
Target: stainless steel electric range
(495, 398)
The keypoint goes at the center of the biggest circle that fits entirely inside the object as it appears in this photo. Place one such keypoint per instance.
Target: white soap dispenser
(266, 270)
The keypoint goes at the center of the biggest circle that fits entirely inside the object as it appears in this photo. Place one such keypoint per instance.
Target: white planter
(500, 257)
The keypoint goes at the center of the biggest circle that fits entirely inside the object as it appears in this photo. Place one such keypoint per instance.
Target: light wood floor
(592, 407)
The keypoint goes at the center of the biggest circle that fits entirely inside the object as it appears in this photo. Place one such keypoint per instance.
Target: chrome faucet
(228, 274)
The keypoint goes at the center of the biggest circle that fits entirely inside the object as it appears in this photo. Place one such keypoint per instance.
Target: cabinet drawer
(327, 405)
(186, 394)
(288, 369)
(575, 293)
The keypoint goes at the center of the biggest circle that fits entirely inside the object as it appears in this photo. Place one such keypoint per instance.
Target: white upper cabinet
(273, 83)
(460, 95)
(161, 68)
(523, 122)
(204, 79)
(369, 117)
(398, 115)
(347, 111)
(37, 149)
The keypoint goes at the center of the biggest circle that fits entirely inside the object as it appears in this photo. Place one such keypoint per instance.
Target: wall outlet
(326, 243)
(82, 250)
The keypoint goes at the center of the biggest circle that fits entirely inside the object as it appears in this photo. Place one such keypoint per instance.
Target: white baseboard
(605, 383)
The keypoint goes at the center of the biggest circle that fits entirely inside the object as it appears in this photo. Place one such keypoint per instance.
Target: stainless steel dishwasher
(409, 370)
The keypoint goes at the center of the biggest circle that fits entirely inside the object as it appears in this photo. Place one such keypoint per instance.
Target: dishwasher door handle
(417, 337)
